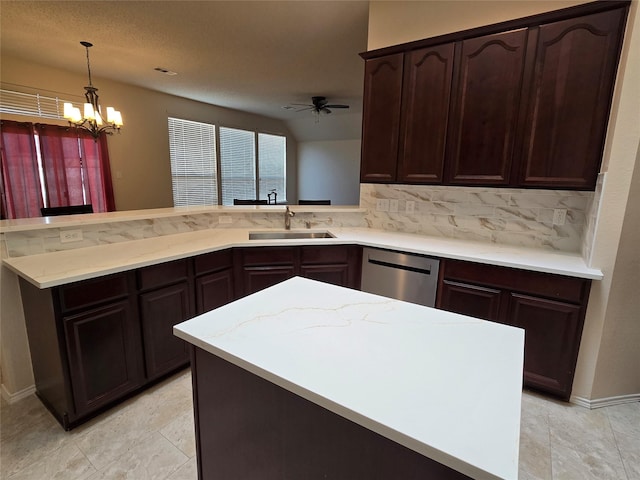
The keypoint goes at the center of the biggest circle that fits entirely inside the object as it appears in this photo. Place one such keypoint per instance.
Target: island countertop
(444, 385)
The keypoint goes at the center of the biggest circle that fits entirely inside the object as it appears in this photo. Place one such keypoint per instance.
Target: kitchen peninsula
(136, 279)
(310, 380)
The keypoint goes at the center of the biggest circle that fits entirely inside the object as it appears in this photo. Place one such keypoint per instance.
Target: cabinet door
(426, 92)
(552, 337)
(105, 361)
(255, 279)
(381, 118)
(214, 290)
(472, 300)
(160, 310)
(334, 274)
(487, 82)
(335, 264)
(569, 100)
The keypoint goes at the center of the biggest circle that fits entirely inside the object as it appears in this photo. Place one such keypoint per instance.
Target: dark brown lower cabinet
(552, 336)
(160, 310)
(259, 268)
(472, 300)
(104, 359)
(550, 309)
(214, 280)
(85, 344)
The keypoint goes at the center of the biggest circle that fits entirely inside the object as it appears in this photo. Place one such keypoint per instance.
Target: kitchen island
(310, 380)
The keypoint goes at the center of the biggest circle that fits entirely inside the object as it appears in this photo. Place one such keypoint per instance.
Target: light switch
(393, 206)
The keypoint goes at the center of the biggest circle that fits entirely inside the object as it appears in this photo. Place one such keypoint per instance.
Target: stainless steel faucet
(287, 218)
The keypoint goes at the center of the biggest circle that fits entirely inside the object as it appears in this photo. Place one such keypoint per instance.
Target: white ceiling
(254, 56)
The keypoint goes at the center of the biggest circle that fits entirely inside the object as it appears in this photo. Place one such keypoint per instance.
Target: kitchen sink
(286, 234)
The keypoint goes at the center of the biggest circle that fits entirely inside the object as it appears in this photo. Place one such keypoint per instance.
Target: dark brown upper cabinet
(523, 103)
(426, 92)
(569, 98)
(484, 113)
(383, 97)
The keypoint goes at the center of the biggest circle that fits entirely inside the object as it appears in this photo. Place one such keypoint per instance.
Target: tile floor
(151, 437)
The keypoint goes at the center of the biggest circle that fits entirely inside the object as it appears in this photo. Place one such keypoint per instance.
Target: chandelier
(91, 118)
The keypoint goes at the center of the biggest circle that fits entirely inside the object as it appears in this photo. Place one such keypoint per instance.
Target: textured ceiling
(255, 56)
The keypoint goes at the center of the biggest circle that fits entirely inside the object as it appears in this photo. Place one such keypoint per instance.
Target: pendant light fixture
(91, 118)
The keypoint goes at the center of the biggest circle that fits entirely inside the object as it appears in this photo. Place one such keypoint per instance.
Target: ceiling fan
(318, 105)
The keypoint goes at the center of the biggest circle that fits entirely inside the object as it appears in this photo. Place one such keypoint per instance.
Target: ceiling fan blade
(336, 106)
(302, 104)
(305, 108)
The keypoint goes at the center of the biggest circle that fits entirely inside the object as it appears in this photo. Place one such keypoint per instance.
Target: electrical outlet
(409, 206)
(68, 236)
(225, 219)
(559, 216)
(382, 205)
(393, 206)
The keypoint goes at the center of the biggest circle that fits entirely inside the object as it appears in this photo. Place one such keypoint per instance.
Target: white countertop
(445, 385)
(52, 269)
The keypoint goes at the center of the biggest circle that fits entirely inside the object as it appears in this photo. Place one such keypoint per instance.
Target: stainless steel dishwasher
(403, 276)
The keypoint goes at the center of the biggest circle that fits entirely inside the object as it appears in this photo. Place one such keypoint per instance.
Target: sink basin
(286, 234)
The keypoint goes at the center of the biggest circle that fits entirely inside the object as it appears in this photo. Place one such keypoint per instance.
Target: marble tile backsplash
(33, 242)
(593, 212)
(497, 215)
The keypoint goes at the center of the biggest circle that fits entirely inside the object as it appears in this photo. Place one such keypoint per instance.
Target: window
(237, 164)
(192, 147)
(245, 164)
(52, 166)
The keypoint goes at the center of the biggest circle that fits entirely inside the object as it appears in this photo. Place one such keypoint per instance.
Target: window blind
(237, 164)
(192, 147)
(29, 104)
(272, 151)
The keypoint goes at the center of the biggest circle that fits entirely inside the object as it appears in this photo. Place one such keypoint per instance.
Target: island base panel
(250, 428)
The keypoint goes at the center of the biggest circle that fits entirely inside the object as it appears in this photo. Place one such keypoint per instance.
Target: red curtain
(61, 164)
(75, 169)
(21, 188)
(97, 172)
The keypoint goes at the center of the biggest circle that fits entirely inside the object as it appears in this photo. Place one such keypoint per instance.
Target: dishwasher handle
(409, 268)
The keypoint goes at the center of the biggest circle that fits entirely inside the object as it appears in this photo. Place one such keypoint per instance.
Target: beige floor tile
(21, 415)
(589, 464)
(107, 440)
(30, 445)
(65, 463)
(152, 458)
(629, 448)
(535, 449)
(181, 432)
(582, 429)
(625, 418)
(188, 471)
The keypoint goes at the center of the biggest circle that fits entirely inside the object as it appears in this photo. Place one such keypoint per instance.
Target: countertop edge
(184, 245)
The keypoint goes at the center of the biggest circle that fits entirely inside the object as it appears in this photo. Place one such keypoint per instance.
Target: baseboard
(17, 396)
(605, 402)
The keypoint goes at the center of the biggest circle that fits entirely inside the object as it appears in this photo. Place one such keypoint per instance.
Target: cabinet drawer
(268, 256)
(163, 274)
(213, 262)
(310, 255)
(91, 292)
(535, 283)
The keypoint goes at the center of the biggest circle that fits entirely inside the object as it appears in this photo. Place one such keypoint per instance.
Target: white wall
(329, 170)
